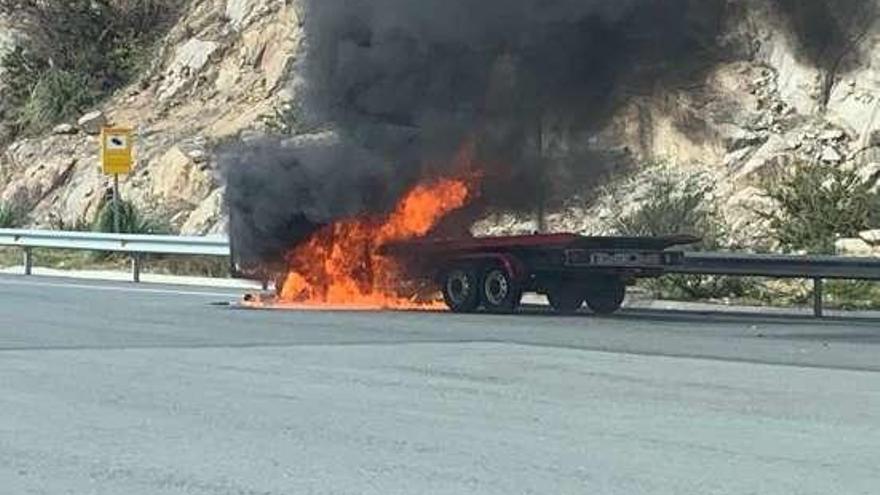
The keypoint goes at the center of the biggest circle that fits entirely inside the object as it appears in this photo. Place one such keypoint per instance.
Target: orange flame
(338, 265)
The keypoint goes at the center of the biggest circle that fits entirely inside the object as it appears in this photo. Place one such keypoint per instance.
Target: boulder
(242, 12)
(189, 59)
(28, 189)
(872, 237)
(830, 155)
(774, 152)
(854, 247)
(736, 138)
(177, 179)
(79, 199)
(832, 135)
(92, 122)
(64, 129)
(198, 156)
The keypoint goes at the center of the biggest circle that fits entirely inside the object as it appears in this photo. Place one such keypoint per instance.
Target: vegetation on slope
(817, 204)
(72, 54)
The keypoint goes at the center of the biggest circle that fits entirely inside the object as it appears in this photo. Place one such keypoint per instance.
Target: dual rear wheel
(603, 294)
(466, 289)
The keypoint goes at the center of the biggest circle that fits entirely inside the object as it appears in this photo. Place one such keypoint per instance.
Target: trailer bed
(536, 241)
(494, 272)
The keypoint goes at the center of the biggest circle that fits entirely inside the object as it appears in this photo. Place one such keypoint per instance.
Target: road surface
(109, 388)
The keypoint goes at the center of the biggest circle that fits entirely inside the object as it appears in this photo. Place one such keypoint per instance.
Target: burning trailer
(493, 273)
(399, 261)
(414, 120)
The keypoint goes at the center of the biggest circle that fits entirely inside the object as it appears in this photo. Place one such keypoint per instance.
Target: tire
(566, 299)
(461, 290)
(500, 293)
(606, 295)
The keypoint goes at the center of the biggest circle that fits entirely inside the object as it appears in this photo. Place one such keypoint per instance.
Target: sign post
(116, 158)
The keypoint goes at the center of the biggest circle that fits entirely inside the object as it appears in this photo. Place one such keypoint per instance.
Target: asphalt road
(110, 388)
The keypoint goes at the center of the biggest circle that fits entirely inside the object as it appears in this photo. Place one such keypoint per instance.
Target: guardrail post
(28, 261)
(136, 267)
(818, 297)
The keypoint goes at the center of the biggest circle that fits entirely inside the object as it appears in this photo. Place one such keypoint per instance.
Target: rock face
(227, 65)
(178, 180)
(92, 122)
(241, 12)
(221, 71)
(27, 191)
(189, 60)
(856, 247)
(206, 218)
(7, 42)
(752, 117)
(872, 237)
(64, 129)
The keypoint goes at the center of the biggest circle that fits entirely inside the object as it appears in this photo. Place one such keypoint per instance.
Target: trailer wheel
(501, 293)
(566, 299)
(605, 295)
(461, 290)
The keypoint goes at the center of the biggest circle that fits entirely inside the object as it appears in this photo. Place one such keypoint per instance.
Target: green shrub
(672, 204)
(679, 203)
(56, 95)
(816, 204)
(852, 294)
(131, 221)
(11, 216)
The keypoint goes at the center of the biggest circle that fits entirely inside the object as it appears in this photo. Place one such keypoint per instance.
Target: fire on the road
(338, 266)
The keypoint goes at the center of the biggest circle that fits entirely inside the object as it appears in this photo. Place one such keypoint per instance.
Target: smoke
(828, 33)
(399, 87)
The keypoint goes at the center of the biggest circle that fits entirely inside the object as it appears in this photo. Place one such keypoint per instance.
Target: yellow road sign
(116, 150)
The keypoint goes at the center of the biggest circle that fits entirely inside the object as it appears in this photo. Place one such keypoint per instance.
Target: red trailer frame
(494, 272)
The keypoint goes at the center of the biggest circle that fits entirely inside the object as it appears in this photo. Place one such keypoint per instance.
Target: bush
(852, 294)
(678, 203)
(73, 53)
(672, 204)
(816, 204)
(10, 217)
(56, 95)
(131, 221)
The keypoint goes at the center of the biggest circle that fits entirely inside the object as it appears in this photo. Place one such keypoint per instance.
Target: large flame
(338, 265)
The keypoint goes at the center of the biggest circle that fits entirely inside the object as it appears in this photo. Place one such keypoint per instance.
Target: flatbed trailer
(493, 272)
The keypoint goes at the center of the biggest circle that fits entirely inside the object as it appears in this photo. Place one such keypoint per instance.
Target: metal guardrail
(817, 268)
(780, 266)
(134, 244)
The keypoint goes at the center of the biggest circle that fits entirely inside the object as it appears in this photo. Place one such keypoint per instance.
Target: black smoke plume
(828, 33)
(399, 86)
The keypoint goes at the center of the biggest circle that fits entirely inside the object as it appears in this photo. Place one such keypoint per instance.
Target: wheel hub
(497, 288)
(458, 286)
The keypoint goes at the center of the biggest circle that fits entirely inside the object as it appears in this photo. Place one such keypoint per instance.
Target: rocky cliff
(220, 73)
(226, 71)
